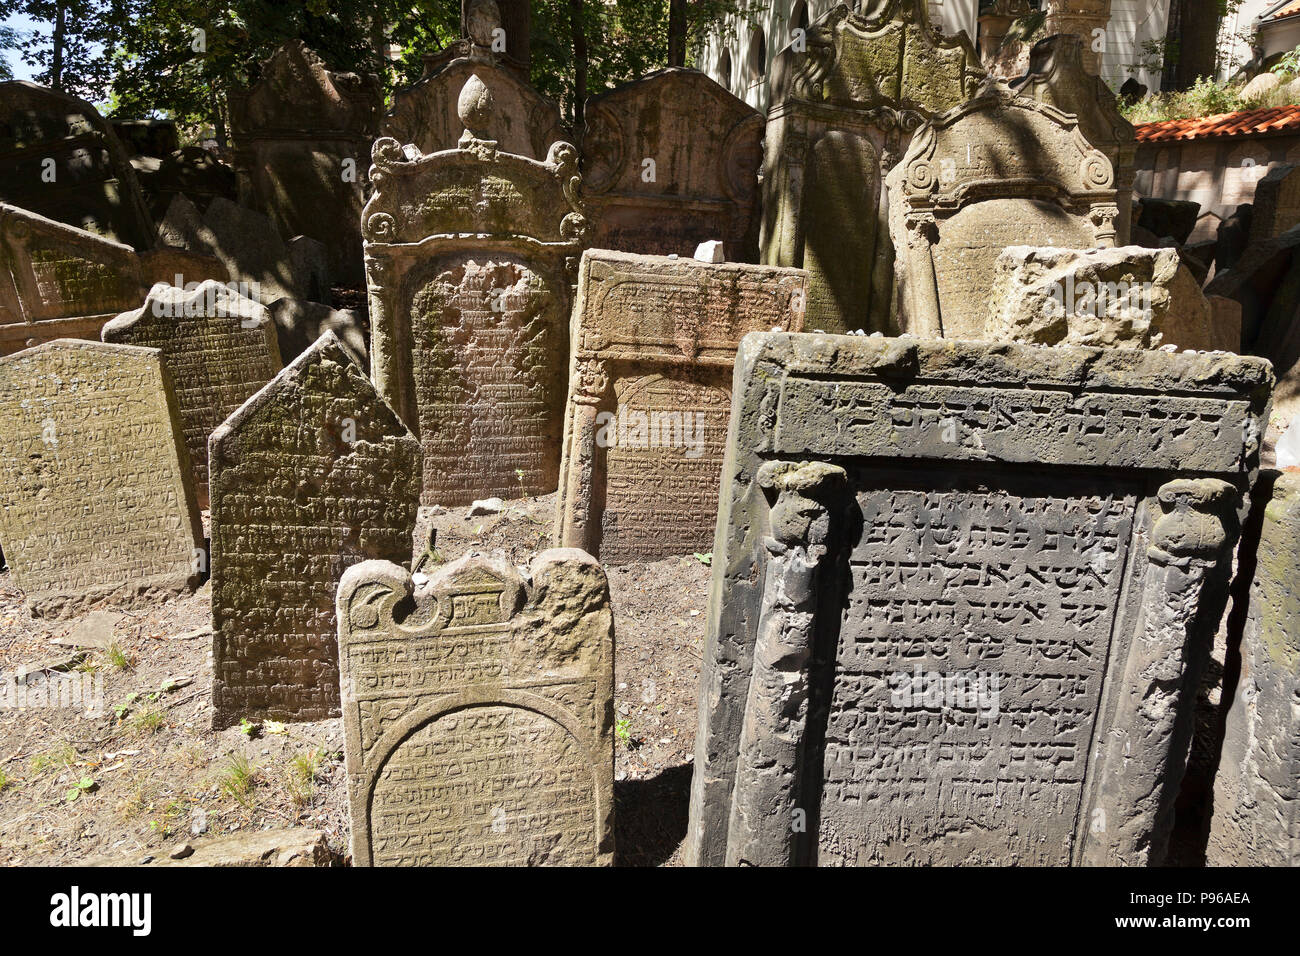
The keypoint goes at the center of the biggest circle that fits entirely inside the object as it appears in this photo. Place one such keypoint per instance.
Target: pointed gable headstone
(314, 473)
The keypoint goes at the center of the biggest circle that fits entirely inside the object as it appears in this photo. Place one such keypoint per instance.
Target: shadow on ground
(650, 818)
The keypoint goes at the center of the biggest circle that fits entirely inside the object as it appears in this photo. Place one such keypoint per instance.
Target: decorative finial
(475, 107)
(481, 20)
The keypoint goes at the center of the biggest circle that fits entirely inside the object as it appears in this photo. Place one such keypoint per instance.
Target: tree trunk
(1194, 28)
(56, 43)
(676, 32)
(578, 33)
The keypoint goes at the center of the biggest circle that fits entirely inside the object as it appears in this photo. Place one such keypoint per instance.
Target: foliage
(1206, 98)
(9, 40)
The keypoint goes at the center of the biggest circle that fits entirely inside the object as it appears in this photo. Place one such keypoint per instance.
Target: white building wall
(1133, 25)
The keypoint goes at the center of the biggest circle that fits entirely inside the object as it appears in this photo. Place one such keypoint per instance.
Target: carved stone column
(592, 382)
(762, 830)
(1080, 18)
(1144, 758)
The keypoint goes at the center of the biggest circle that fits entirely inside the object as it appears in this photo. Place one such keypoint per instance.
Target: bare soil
(149, 773)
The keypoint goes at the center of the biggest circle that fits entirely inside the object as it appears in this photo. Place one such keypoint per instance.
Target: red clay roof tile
(1290, 10)
(1275, 119)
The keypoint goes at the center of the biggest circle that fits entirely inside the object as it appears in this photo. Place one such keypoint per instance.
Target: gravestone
(1276, 206)
(1256, 818)
(470, 254)
(425, 114)
(654, 342)
(658, 180)
(999, 171)
(58, 281)
(847, 98)
(1126, 297)
(963, 595)
(313, 474)
(193, 172)
(478, 713)
(60, 159)
(1057, 76)
(302, 133)
(218, 348)
(96, 498)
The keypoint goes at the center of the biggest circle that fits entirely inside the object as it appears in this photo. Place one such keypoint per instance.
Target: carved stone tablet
(470, 256)
(654, 342)
(313, 474)
(60, 159)
(963, 596)
(60, 282)
(479, 713)
(96, 499)
(846, 100)
(1256, 820)
(302, 133)
(657, 179)
(219, 348)
(1002, 170)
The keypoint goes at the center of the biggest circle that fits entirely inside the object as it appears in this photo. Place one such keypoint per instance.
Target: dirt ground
(148, 774)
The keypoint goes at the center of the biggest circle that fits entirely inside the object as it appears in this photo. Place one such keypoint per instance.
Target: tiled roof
(1276, 119)
(1290, 10)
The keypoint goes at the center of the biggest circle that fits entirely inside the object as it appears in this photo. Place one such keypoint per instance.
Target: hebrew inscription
(96, 500)
(478, 713)
(311, 475)
(650, 396)
(966, 598)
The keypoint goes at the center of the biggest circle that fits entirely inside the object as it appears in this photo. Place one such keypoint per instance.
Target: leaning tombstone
(1256, 817)
(963, 596)
(60, 159)
(658, 181)
(218, 347)
(59, 281)
(425, 115)
(1276, 205)
(313, 474)
(654, 342)
(478, 712)
(1002, 170)
(302, 133)
(470, 254)
(847, 96)
(96, 498)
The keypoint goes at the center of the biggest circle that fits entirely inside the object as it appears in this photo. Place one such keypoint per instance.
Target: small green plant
(163, 825)
(148, 721)
(519, 477)
(84, 785)
(704, 559)
(60, 757)
(249, 728)
(118, 658)
(238, 780)
(623, 731)
(300, 778)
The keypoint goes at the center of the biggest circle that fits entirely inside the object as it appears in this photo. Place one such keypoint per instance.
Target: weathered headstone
(846, 98)
(57, 281)
(60, 159)
(657, 180)
(218, 348)
(478, 713)
(523, 122)
(962, 598)
(302, 134)
(1127, 297)
(192, 171)
(96, 498)
(313, 474)
(1256, 818)
(1058, 77)
(1002, 170)
(1277, 204)
(654, 342)
(470, 255)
